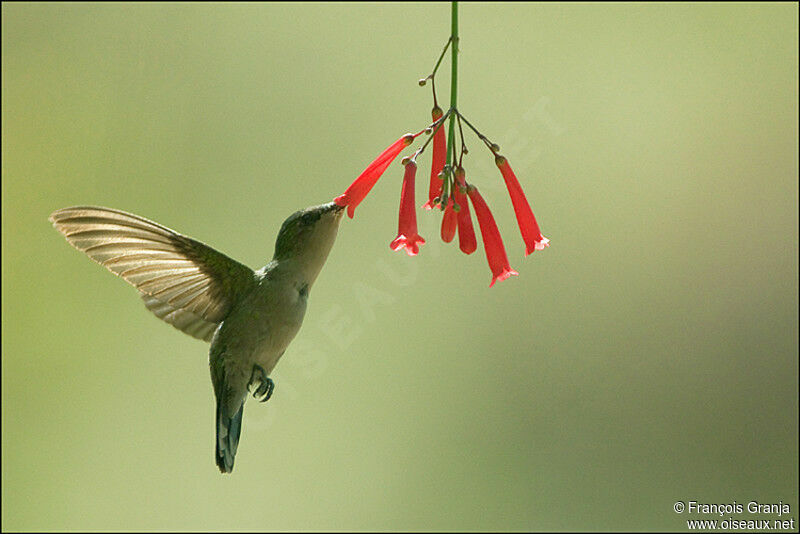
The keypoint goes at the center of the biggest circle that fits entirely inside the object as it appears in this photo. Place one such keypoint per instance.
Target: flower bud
(438, 159)
(466, 233)
(449, 222)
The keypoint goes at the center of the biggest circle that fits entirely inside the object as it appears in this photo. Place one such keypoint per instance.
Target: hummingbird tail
(228, 431)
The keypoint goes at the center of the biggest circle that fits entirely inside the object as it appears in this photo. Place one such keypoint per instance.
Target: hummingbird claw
(265, 390)
(265, 384)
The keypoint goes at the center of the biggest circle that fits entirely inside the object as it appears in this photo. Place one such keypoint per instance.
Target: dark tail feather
(228, 432)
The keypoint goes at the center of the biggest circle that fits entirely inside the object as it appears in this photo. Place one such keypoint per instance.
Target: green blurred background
(649, 355)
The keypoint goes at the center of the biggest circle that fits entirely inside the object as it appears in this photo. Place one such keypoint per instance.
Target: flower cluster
(449, 191)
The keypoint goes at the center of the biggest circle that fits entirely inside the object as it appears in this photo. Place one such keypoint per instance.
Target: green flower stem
(451, 135)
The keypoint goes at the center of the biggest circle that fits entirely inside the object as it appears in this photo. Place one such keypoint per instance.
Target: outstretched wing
(184, 282)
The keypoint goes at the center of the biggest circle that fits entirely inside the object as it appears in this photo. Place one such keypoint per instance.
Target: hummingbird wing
(182, 281)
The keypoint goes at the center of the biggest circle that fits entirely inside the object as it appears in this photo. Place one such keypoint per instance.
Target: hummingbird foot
(264, 386)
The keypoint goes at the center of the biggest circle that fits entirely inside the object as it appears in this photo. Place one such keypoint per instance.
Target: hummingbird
(249, 317)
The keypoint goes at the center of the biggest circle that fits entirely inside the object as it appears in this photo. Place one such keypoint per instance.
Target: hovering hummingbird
(250, 317)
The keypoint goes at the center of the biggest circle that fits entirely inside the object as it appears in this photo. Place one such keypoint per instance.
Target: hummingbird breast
(258, 330)
(275, 317)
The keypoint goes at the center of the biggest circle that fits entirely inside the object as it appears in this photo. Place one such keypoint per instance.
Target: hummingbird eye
(310, 217)
(295, 230)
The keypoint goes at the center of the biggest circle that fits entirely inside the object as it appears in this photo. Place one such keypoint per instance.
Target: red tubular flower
(466, 233)
(407, 235)
(534, 240)
(438, 159)
(492, 242)
(449, 222)
(362, 185)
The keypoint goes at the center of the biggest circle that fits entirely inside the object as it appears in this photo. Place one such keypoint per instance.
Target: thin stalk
(492, 146)
(463, 144)
(439, 123)
(439, 61)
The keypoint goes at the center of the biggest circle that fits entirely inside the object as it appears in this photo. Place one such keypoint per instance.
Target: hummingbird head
(306, 237)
